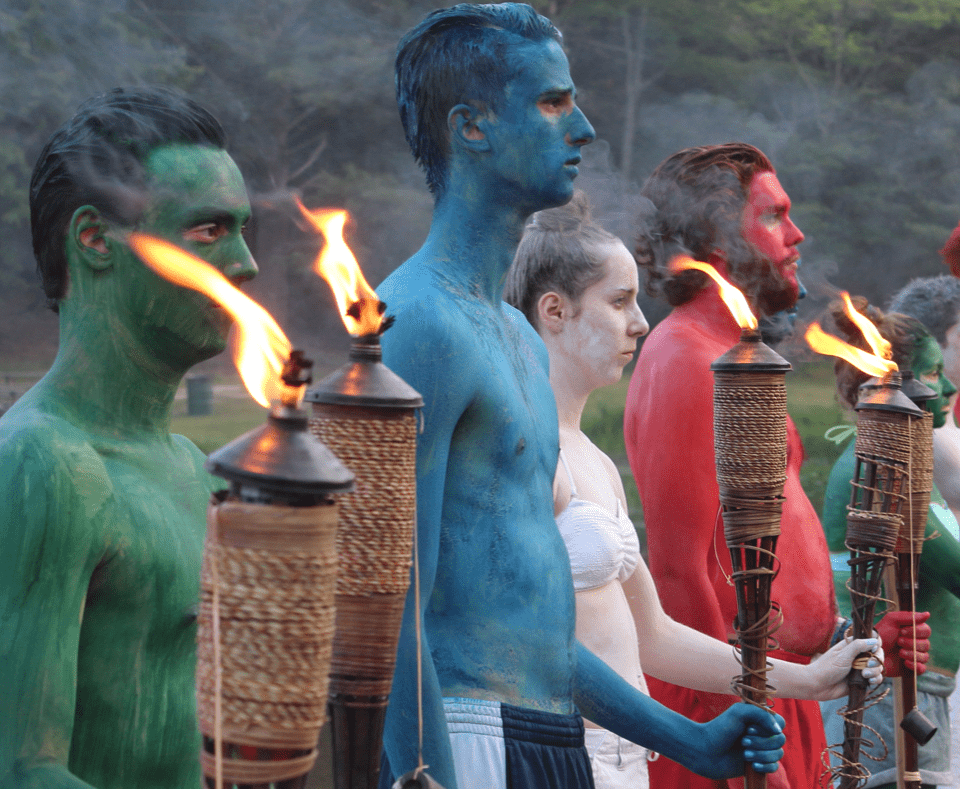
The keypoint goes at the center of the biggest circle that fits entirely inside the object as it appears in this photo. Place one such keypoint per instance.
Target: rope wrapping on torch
(374, 542)
(921, 487)
(874, 518)
(272, 570)
(908, 550)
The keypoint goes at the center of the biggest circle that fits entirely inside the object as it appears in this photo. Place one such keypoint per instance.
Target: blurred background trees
(856, 101)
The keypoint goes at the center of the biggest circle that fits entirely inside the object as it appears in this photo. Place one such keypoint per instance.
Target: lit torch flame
(360, 309)
(829, 345)
(880, 346)
(260, 347)
(735, 300)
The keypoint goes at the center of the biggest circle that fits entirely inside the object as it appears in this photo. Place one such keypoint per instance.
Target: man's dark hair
(698, 196)
(96, 158)
(458, 55)
(934, 301)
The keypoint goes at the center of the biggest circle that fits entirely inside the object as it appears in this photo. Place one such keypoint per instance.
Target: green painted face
(928, 368)
(199, 202)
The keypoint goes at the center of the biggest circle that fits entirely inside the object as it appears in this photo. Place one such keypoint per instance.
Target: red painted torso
(668, 427)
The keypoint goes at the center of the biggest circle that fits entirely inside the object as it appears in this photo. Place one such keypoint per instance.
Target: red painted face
(767, 226)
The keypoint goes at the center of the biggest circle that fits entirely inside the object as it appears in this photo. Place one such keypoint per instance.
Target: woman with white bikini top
(577, 285)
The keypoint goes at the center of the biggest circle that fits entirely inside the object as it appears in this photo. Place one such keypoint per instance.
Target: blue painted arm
(716, 749)
(418, 350)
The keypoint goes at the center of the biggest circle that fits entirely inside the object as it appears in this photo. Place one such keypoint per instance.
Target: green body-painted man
(101, 509)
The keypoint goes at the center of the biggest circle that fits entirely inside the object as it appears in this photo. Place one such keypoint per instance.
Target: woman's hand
(831, 670)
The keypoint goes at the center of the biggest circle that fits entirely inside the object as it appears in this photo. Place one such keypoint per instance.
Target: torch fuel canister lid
(916, 390)
(365, 381)
(282, 454)
(887, 396)
(751, 354)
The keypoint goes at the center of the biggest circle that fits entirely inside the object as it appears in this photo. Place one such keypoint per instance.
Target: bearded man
(725, 206)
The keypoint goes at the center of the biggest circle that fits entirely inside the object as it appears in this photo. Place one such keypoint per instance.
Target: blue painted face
(537, 135)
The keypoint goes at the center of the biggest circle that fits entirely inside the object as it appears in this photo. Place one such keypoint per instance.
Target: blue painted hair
(458, 55)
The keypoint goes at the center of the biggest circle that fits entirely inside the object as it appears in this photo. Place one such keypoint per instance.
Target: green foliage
(813, 406)
(856, 101)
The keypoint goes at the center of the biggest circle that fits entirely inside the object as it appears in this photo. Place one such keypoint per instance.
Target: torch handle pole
(866, 572)
(752, 565)
(907, 573)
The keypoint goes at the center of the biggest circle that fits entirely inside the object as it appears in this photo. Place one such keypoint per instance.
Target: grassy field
(230, 417)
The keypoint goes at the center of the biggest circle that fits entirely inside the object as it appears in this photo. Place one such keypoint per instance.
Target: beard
(760, 279)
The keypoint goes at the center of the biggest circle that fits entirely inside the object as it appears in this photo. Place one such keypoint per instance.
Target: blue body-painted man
(489, 109)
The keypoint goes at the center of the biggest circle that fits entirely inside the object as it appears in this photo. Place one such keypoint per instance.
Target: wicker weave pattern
(881, 435)
(375, 537)
(921, 486)
(750, 433)
(276, 632)
(750, 447)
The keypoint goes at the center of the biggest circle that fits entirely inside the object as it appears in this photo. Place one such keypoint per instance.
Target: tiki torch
(265, 627)
(750, 447)
(885, 417)
(367, 415)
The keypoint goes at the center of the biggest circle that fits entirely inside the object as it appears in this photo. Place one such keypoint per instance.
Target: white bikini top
(602, 547)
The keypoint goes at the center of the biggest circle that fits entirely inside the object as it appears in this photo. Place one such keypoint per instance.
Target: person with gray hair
(935, 302)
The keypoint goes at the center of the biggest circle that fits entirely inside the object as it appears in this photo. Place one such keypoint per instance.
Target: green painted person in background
(102, 510)
(939, 593)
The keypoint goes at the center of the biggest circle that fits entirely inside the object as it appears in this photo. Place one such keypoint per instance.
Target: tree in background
(857, 101)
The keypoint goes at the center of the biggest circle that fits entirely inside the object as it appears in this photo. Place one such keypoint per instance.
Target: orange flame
(260, 347)
(735, 300)
(358, 304)
(880, 346)
(829, 345)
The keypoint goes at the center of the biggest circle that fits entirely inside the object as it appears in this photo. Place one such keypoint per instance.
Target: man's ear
(467, 127)
(552, 308)
(87, 234)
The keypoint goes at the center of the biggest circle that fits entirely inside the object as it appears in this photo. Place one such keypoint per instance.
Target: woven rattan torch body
(750, 444)
(266, 616)
(367, 415)
(878, 492)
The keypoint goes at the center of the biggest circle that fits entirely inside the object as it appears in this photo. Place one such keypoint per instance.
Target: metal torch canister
(367, 415)
(878, 491)
(267, 604)
(750, 445)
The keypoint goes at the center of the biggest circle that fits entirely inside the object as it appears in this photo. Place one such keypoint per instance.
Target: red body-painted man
(723, 205)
